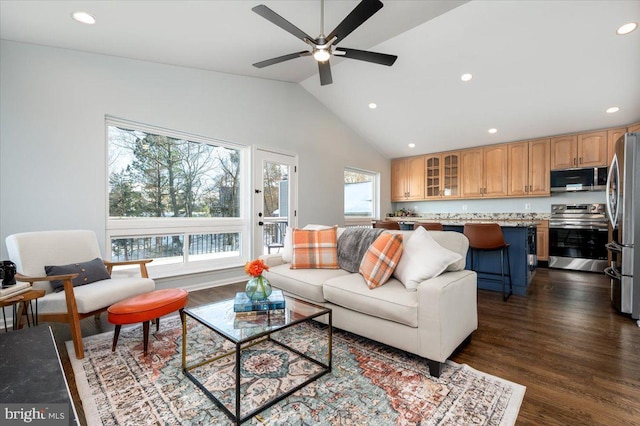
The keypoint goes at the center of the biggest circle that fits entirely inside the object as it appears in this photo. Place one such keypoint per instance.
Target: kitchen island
(519, 234)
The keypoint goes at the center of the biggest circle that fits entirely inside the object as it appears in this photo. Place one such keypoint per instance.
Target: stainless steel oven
(578, 234)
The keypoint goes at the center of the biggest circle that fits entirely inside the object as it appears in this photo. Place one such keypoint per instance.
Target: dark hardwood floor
(579, 360)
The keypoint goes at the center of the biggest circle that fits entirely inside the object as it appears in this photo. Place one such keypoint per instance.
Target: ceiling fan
(324, 47)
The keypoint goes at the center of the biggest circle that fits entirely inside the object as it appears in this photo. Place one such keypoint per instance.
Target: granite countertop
(461, 222)
(519, 220)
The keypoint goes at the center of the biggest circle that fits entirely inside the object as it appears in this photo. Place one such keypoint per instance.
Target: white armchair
(32, 251)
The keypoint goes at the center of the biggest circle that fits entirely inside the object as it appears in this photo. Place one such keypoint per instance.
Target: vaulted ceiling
(539, 67)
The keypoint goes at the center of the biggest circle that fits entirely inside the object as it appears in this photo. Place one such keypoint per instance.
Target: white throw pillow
(422, 258)
(287, 250)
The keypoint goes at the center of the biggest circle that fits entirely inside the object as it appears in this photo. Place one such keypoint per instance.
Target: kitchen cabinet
(583, 150)
(442, 175)
(592, 149)
(528, 168)
(634, 128)
(612, 136)
(407, 179)
(484, 171)
(542, 235)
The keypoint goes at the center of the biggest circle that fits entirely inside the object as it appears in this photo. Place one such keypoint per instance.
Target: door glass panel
(275, 177)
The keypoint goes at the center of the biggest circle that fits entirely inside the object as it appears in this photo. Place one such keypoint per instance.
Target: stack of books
(14, 290)
(266, 313)
(243, 304)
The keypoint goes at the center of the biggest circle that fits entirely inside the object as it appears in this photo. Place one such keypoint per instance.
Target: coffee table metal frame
(294, 317)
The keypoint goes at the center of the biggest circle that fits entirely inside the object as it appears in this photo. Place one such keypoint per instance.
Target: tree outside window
(158, 176)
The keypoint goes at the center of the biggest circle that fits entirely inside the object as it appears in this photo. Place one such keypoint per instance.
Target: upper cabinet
(407, 179)
(584, 150)
(484, 171)
(519, 169)
(612, 136)
(592, 149)
(529, 165)
(442, 175)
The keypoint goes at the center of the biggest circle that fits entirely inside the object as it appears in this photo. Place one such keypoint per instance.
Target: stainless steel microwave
(585, 179)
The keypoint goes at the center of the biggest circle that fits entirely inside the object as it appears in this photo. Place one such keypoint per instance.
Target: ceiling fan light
(321, 55)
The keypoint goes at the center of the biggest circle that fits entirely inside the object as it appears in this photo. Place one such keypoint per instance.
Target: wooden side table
(21, 304)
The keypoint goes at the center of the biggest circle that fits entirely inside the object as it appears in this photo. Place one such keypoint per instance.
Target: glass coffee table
(220, 318)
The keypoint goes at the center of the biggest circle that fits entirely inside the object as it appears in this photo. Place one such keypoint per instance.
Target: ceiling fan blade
(278, 20)
(279, 59)
(325, 73)
(364, 55)
(363, 11)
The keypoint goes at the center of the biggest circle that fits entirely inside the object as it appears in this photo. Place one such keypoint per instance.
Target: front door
(274, 201)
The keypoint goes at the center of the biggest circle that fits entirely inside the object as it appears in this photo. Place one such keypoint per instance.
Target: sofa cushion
(422, 258)
(315, 249)
(304, 283)
(98, 295)
(381, 259)
(353, 244)
(391, 301)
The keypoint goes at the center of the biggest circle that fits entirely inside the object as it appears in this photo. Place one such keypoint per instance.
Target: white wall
(52, 135)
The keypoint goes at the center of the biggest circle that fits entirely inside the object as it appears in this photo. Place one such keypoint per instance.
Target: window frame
(375, 205)
(161, 226)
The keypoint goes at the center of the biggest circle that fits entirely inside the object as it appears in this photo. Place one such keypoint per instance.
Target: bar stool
(489, 237)
(385, 224)
(429, 226)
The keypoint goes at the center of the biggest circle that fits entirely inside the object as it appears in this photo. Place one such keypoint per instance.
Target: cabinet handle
(575, 161)
(580, 160)
(530, 188)
(526, 188)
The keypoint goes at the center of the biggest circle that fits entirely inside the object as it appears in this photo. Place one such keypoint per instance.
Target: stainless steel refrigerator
(623, 208)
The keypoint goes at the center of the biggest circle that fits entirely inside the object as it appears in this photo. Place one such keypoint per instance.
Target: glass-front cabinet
(442, 175)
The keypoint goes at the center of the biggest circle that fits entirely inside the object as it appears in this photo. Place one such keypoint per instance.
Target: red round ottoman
(144, 308)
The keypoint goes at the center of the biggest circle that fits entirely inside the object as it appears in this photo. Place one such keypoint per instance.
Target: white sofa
(430, 322)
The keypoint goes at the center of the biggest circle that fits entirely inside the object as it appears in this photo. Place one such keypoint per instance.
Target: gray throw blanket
(353, 244)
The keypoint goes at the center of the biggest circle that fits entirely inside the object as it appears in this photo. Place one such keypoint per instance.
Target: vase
(258, 288)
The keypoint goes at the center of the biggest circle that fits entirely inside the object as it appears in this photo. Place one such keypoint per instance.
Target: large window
(174, 197)
(360, 196)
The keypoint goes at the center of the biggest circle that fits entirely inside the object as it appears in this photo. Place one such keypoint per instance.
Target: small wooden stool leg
(157, 324)
(116, 334)
(181, 311)
(145, 331)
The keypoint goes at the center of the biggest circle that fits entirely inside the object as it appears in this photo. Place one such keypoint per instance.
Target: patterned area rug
(370, 383)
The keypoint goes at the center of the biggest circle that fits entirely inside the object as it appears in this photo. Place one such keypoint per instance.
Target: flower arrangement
(255, 267)
(258, 287)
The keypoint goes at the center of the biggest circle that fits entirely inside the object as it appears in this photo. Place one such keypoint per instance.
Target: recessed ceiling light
(83, 17)
(373, 105)
(466, 77)
(412, 145)
(627, 28)
(612, 110)
(493, 130)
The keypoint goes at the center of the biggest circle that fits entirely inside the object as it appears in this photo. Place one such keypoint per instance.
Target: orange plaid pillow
(381, 259)
(315, 249)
